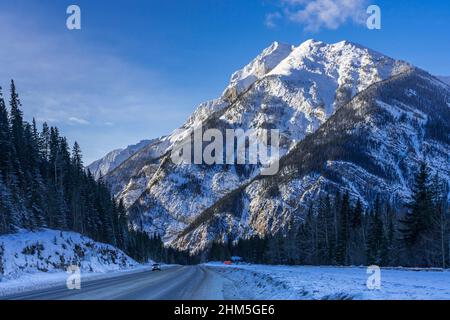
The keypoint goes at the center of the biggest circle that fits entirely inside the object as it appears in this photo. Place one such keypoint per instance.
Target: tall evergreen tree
(325, 235)
(356, 242)
(5, 138)
(16, 120)
(377, 242)
(342, 257)
(419, 217)
(418, 227)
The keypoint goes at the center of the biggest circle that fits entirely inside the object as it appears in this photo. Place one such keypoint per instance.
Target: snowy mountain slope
(131, 177)
(372, 145)
(296, 96)
(264, 63)
(130, 180)
(51, 251)
(115, 158)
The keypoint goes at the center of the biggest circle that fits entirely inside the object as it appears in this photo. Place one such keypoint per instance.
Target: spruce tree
(16, 121)
(377, 246)
(419, 217)
(6, 209)
(343, 235)
(324, 233)
(356, 243)
(5, 141)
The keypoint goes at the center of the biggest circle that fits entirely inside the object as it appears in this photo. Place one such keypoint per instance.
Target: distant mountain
(298, 90)
(115, 158)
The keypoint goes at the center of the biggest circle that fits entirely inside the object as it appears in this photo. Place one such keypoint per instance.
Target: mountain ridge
(115, 158)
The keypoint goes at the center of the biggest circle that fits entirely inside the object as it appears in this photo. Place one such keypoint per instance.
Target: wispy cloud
(60, 78)
(78, 120)
(315, 15)
(271, 19)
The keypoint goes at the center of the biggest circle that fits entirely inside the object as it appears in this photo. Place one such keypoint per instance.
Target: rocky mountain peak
(293, 89)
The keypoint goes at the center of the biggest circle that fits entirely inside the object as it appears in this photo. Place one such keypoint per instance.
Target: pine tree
(418, 219)
(77, 159)
(305, 240)
(44, 141)
(377, 246)
(5, 141)
(438, 234)
(356, 243)
(17, 135)
(393, 245)
(356, 217)
(343, 235)
(324, 234)
(75, 192)
(6, 209)
(122, 224)
(16, 121)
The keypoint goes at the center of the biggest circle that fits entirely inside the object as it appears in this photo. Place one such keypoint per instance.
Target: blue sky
(138, 68)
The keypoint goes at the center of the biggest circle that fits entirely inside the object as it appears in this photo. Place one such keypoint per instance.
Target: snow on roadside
(252, 285)
(35, 260)
(310, 282)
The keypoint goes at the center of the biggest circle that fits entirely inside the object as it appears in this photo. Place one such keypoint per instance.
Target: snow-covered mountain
(115, 158)
(371, 147)
(293, 89)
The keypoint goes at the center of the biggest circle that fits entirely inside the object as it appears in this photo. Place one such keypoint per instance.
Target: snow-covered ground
(308, 282)
(32, 260)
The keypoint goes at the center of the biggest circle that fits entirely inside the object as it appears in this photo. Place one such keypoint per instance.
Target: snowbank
(309, 282)
(42, 257)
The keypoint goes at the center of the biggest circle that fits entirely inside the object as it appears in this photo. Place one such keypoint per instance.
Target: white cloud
(271, 19)
(315, 15)
(78, 120)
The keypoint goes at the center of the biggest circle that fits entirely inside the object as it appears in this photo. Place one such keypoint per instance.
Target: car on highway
(156, 267)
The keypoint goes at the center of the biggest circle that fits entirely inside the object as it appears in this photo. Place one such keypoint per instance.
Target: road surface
(174, 283)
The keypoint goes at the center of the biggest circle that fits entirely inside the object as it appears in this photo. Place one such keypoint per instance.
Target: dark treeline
(339, 231)
(43, 185)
